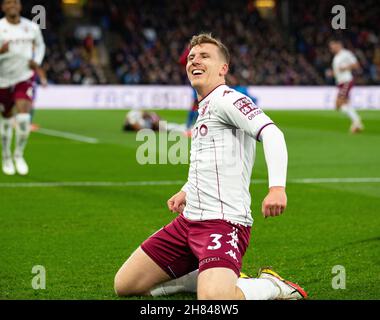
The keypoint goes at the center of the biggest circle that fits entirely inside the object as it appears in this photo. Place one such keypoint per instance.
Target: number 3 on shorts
(216, 241)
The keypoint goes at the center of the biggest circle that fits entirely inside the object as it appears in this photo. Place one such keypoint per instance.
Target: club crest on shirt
(203, 109)
(244, 105)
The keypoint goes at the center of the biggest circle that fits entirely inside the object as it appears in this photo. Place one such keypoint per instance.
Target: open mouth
(197, 72)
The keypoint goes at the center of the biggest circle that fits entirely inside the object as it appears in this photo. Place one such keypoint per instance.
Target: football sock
(186, 283)
(22, 132)
(258, 289)
(6, 132)
(352, 114)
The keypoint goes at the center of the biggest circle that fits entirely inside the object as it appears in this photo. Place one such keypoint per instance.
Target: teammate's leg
(343, 104)
(23, 122)
(6, 131)
(138, 275)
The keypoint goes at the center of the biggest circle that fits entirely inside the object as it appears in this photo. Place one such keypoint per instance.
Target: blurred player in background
(344, 62)
(21, 53)
(136, 120)
(202, 249)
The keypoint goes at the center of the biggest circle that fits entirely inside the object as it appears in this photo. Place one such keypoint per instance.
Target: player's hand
(4, 48)
(42, 75)
(275, 202)
(33, 65)
(177, 202)
(44, 82)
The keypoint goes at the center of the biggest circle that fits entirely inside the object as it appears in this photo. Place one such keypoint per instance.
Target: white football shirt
(222, 156)
(343, 58)
(25, 44)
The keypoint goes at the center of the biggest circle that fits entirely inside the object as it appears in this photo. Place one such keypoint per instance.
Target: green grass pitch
(83, 234)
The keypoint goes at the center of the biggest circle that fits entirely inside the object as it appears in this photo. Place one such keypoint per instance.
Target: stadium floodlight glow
(70, 1)
(267, 4)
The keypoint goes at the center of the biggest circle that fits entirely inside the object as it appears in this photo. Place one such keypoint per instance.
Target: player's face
(334, 47)
(206, 67)
(11, 8)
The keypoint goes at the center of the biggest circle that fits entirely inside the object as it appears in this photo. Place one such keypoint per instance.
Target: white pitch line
(90, 184)
(171, 183)
(335, 180)
(67, 135)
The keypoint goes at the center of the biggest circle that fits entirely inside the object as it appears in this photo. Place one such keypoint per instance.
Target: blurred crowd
(312, 30)
(153, 35)
(68, 60)
(73, 62)
(148, 38)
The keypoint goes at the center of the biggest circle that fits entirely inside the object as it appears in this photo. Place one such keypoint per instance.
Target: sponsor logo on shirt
(208, 260)
(245, 106)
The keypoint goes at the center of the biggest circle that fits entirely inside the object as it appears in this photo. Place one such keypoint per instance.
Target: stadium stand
(142, 40)
(312, 30)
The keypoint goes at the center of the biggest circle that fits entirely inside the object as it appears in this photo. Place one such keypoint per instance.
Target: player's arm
(42, 75)
(276, 157)
(353, 64)
(178, 201)
(351, 67)
(39, 50)
(258, 125)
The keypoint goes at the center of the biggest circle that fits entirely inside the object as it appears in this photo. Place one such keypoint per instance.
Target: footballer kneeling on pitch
(202, 249)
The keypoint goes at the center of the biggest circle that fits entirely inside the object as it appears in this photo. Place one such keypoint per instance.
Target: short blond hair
(208, 38)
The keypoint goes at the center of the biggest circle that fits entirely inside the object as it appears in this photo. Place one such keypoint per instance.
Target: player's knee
(122, 286)
(23, 106)
(340, 102)
(118, 287)
(127, 286)
(124, 289)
